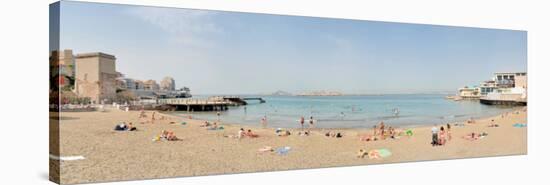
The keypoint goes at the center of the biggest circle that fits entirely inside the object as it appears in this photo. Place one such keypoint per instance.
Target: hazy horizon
(216, 52)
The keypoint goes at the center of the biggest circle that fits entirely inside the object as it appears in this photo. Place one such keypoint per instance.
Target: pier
(506, 102)
(216, 103)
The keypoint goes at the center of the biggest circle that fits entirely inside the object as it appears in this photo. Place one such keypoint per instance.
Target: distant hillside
(321, 93)
(281, 93)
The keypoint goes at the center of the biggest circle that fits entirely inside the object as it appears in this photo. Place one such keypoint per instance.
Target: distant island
(281, 93)
(321, 93)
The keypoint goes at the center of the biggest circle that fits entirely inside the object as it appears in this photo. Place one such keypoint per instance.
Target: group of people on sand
(474, 136)
(125, 127)
(440, 135)
(211, 126)
(243, 134)
(334, 134)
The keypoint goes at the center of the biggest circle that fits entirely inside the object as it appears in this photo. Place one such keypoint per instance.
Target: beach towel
(379, 153)
(282, 150)
(519, 125)
(184, 123)
(66, 158)
(409, 132)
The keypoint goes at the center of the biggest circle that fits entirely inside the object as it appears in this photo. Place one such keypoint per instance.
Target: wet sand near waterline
(115, 156)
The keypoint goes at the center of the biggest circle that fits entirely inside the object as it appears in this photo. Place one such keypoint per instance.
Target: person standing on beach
(435, 131)
(449, 131)
(218, 113)
(302, 120)
(240, 134)
(311, 122)
(442, 136)
(153, 117)
(382, 129)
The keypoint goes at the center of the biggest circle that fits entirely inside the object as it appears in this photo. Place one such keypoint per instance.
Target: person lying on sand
(362, 153)
(265, 149)
(471, 137)
(306, 133)
(368, 138)
(205, 124)
(172, 137)
(493, 124)
(333, 134)
(131, 127)
(281, 132)
(249, 133)
(168, 135)
(121, 127)
(214, 126)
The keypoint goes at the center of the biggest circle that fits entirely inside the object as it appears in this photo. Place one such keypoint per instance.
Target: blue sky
(215, 52)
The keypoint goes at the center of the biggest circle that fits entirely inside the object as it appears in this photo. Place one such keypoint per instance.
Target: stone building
(168, 84)
(95, 76)
(151, 85)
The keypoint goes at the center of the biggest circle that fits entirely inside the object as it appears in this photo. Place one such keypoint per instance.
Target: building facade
(95, 76)
(168, 84)
(151, 85)
(511, 80)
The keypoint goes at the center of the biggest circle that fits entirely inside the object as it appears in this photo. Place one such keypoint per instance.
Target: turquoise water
(353, 111)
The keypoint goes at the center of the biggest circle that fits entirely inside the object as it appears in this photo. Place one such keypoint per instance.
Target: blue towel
(282, 150)
(519, 125)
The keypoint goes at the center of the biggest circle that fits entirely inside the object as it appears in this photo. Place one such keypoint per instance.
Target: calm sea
(353, 111)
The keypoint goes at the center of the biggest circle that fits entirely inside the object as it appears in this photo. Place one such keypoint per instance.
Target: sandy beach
(112, 156)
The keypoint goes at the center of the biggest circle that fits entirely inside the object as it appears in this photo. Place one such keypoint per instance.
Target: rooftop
(95, 54)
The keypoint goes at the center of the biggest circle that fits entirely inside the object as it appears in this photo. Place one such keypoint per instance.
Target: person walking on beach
(435, 131)
(153, 117)
(449, 131)
(302, 120)
(218, 114)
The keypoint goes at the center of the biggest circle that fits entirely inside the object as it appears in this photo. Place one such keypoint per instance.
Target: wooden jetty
(216, 103)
